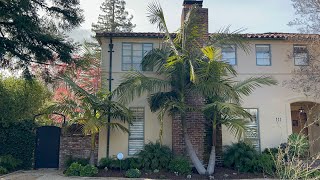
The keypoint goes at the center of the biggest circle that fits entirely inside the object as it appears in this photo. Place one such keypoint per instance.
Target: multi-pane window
(228, 53)
(252, 132)
(132, 54)
(300, 54)
(136, 128)
(263, 55)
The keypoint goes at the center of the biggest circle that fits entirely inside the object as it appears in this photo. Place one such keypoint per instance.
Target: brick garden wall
(77, 146)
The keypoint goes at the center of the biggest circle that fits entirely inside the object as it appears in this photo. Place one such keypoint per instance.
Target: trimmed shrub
(18, 140)
(105, 162)
(3, 170)
(239, 156)
(88, 171)
(264, 163)
(73, 170)
(70, 160)
(180, 165)
(9, 162)
(155, 156)
(133, 173)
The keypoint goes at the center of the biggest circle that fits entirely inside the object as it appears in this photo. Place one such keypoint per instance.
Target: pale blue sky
(256, 15)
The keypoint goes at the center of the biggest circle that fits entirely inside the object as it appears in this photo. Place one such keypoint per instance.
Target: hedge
(18, 139)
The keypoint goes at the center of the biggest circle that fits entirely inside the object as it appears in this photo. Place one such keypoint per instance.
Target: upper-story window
(132, 54)
(263, 55)
(229, 54)
(300, 55)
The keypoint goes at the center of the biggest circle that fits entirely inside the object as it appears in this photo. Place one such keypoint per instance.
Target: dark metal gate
(47, 147)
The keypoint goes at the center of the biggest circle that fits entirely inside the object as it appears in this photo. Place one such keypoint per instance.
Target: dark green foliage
(154, 156)
(239, 156)
(180, 165)
(271, 151)
(21, 99)
(128, 163)
(264, 163)
(245, 158)
(114, 17)
(133, 173)
(9, 162)
(29, 36)
(73, 170)
(82, 161)
(88, 171)
(105, 162)
(3, 170)
(18, 140)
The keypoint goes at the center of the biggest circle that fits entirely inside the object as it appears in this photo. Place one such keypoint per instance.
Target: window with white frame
(263, 55)
(300, 55)
(132, 54)
(136, 128)
(229, 54)
(252, 133)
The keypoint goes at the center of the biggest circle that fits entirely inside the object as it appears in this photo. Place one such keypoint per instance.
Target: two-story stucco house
(276, 108)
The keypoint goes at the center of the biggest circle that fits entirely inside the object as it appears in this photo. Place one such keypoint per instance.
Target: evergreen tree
(30, 30)
(114, 18)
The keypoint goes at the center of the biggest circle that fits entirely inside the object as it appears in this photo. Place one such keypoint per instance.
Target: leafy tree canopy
(21, 99)
(114, 17)
(30, 30)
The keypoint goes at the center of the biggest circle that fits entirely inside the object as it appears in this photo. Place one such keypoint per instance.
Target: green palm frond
(135, 84)
(237, 127)
(227, 37)
(156, 59)
(159, 100)
(156, 16)
(247, 86)
(227, 109)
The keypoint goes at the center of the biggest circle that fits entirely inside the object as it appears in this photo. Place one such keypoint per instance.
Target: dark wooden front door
(299, 123)
(47, 147)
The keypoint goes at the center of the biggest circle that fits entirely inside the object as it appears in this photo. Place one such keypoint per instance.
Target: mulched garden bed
(221, 173)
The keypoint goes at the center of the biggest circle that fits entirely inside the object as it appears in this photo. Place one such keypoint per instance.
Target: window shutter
(252, 133)
(136, 137)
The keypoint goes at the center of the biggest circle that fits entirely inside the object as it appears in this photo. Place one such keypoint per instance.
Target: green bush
(3, 170)
(88, 171)
(134, 163)
(9, 162)
(73, 170)
(155, 156)
(180, 165)
(264, 163)
(239, 156)
(133, 173)
(105, 162)
(18, 140)
(70, 160)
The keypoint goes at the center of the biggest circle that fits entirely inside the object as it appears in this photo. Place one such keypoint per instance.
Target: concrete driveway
(46, 174)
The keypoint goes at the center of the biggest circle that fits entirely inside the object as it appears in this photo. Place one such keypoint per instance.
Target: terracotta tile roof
(266, 36)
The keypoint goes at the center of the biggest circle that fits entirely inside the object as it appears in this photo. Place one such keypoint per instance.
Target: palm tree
(185, 70)
(91, 112)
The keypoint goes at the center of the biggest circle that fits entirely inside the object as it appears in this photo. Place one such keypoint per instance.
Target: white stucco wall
(273, 102)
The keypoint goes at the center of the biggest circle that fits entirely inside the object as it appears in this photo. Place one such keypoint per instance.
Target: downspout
(110, 89)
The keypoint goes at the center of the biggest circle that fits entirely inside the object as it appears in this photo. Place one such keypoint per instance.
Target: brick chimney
(196, 128)
(202, 17)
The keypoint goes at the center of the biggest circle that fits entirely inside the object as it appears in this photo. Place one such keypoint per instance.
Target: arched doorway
(305, 120)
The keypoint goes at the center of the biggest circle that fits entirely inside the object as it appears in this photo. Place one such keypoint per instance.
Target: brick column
(195, 128)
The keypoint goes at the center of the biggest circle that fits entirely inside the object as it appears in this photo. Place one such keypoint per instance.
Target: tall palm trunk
(93, 147)
(190, 150)
(212, 159)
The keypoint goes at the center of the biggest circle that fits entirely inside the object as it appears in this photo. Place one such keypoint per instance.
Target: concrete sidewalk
(49, 174)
